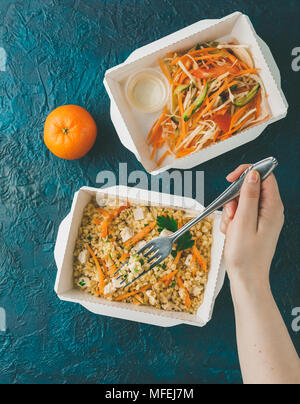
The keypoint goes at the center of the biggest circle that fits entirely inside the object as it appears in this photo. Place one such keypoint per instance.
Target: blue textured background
(58, 52)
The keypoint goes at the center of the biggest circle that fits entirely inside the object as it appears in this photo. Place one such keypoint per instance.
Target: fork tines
(152, 253)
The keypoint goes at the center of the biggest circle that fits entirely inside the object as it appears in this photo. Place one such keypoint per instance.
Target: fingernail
(228, 211)
(253, 177)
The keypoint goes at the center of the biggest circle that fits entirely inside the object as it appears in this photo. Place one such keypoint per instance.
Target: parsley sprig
(166, 222)
(169, 223)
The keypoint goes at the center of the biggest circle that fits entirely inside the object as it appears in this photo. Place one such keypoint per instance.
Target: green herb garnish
(82, 283)
(142, 261)
(184, 242)
(166, 222)
(174, 253)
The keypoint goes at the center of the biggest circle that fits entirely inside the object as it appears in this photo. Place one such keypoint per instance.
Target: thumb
(247, 212)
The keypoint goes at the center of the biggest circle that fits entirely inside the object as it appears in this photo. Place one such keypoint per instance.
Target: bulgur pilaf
(111, 234)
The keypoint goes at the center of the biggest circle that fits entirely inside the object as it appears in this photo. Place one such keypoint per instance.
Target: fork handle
(264, 167)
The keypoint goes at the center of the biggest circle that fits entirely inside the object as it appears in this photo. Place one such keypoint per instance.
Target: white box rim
(212, 151)
(105, 307)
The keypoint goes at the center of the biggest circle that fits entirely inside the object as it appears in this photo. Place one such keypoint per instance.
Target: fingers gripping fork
(160, 248)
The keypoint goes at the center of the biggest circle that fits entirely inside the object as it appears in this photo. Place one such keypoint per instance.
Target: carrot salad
(215, 93)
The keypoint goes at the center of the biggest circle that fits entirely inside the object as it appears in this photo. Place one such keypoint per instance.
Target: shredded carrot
(138, 237)
(187, 296)
(155, 127)
(249, 71)
(177, 73)
(217, 135)
(121, 208)
(169, 276)
(164, 70)
(157, 139)
(237, 116)
(123, 257)
(224, 110)
(156, 132)
(104, 212)
(185, 152)
(187, 299)
(207, 57)
(163, 157)
(199, 258)
(112, 266)
(232, 58)
(105, 227)
(182, 77)
(183, 128)
(179, 282)
(113, 269)
(204, 50)
(229, 134)
(258, 102)
(181, 137)
(178, 256)
(225, 86)
(105, 267)
(101, 275)
(193, 53)
(113, 215)
(97, 222)
(122, 297)
(176, 84)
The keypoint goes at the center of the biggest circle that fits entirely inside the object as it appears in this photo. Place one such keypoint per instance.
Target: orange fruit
(70, 132)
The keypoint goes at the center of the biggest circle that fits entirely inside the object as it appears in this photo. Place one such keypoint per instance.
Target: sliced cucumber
(175, 120)
(181, 88)
(196, 104)
(242, 101)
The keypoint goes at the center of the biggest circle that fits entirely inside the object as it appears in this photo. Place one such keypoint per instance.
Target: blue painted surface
(57, 53)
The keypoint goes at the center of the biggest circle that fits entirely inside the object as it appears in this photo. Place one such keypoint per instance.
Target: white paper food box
(133, 126)
(65, 244)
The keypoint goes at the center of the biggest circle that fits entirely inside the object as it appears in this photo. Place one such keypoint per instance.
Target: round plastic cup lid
(147, 90)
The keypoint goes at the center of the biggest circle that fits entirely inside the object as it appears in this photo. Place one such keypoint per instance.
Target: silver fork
(161, 247)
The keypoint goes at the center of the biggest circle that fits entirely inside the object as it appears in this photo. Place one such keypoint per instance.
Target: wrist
(250, 287)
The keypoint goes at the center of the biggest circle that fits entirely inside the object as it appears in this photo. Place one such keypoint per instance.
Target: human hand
(252, 224)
